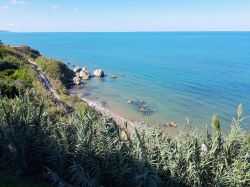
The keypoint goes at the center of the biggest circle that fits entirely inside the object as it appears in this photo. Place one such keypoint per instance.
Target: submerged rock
(113, 76)
(99, 73)
(86, 94)
(130, 101)
(141, 106)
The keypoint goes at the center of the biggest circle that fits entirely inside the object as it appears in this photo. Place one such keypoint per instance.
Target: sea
(184, 77)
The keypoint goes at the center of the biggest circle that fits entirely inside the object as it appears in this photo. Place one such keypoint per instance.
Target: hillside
(42, 144)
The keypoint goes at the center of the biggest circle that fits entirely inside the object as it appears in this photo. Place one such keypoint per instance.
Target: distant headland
(4, 31)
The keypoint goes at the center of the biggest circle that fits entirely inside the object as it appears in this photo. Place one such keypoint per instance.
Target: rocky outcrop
(99, 73)
(84, 74)
(77, 69)
(77, 80)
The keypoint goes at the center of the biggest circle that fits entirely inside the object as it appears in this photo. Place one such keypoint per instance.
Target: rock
(99, 73)
(130, 101)
(113, 76)
(77, 80)
(84, 74)
(84, 69)
(141, 106)
(170, 124)
(77, 74)
(77, 69)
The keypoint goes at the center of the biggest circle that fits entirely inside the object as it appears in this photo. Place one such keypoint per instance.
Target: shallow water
(182, 74)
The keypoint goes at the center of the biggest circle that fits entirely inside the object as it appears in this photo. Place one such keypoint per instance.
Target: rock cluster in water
(141, 106)
(84, 74)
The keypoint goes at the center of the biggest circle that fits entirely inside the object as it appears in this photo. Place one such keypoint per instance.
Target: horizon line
(6, 31)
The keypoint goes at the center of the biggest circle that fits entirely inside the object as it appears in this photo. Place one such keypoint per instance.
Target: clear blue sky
(124, 15)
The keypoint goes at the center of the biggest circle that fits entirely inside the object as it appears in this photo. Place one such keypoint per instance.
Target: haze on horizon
(126, 16)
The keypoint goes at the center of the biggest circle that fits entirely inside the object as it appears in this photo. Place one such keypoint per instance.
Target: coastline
(121, 121)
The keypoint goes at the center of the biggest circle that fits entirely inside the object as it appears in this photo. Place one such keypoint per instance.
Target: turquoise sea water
(179, 74)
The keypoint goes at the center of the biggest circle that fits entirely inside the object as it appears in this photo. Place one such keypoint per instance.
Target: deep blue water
(179, 74)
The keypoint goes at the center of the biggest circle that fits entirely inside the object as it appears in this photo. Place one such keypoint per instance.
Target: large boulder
(84, 69)
(77, 69)
(84, 74)
(77, 80)
(99, 73)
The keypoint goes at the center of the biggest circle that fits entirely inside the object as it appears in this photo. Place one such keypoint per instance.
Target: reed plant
(91, 150)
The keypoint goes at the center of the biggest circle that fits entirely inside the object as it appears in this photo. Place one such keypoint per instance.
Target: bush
(23, 73)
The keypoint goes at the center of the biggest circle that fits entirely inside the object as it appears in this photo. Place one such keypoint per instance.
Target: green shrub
(23, 73)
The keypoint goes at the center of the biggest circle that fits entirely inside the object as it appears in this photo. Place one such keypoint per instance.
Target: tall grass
(90, 150)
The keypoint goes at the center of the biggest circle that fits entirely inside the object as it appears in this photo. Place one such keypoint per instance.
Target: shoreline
(118, 119)
(121, 121)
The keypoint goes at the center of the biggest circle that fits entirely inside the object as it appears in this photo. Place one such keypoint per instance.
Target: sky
(124, 15)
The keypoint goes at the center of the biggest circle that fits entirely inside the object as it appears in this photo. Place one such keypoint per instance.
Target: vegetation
(15, 74)
(57, 72)
(90, 150)
(27, 51)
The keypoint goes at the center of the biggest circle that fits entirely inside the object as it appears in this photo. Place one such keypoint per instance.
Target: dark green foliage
(8, 90)
(11, 181)
(90, 150)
